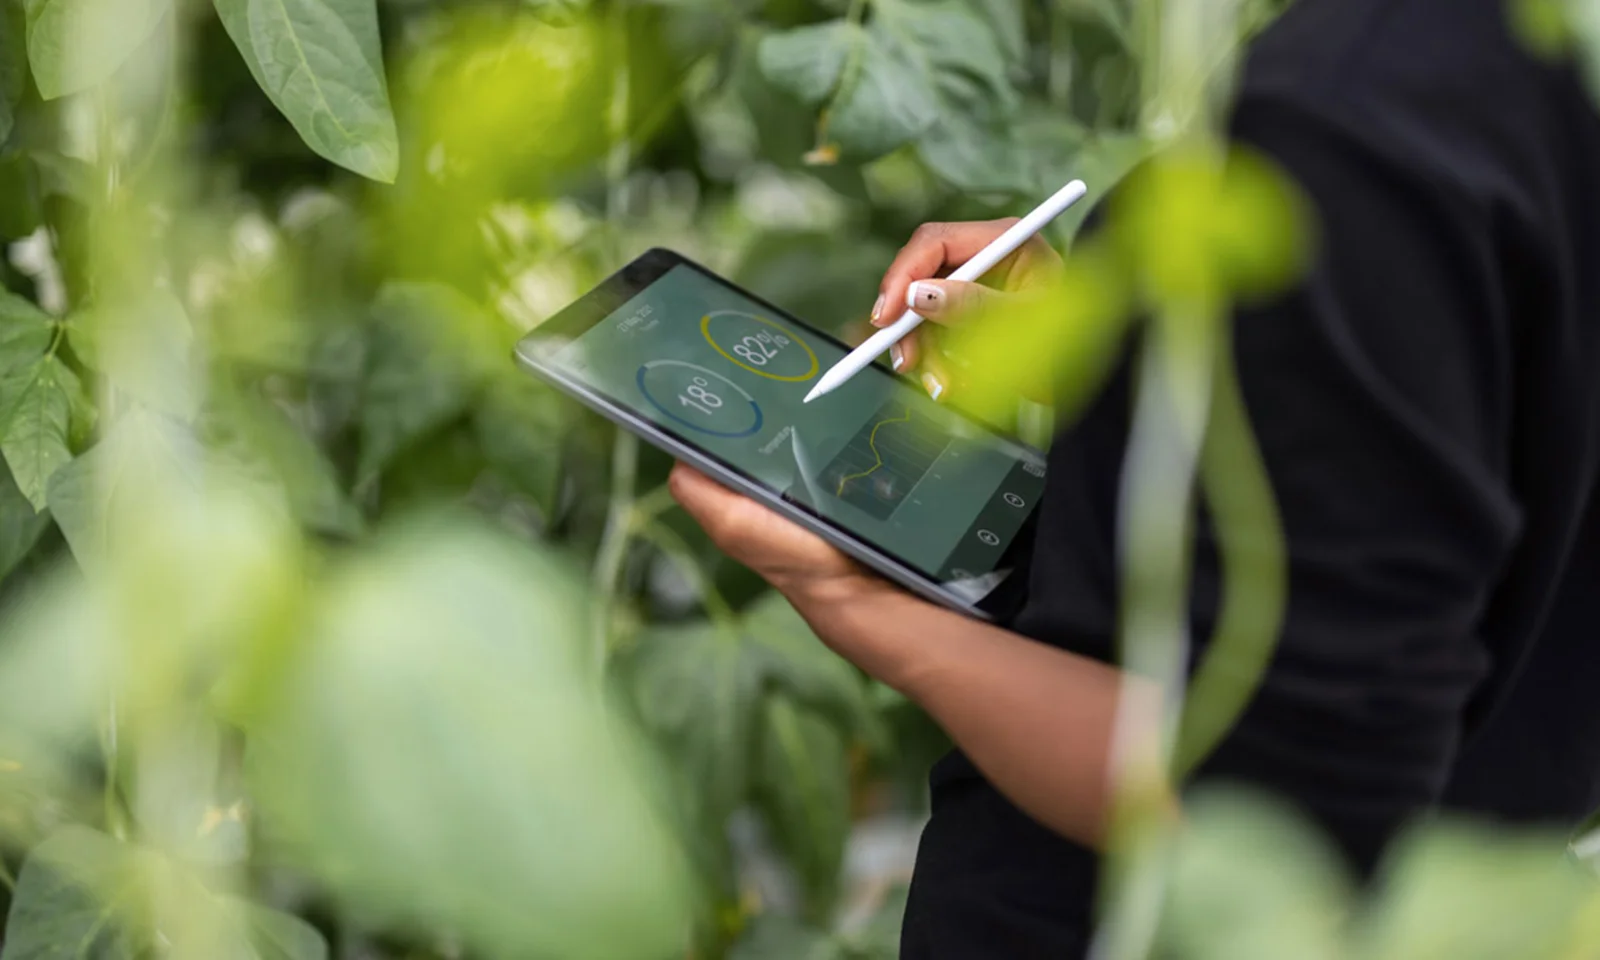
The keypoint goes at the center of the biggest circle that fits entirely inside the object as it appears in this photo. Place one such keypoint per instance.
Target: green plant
(326, 632)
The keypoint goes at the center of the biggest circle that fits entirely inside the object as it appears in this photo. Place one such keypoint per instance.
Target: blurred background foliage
(327, 633)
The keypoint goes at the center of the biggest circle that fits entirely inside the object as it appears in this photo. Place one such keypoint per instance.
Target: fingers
(904, 355)
(935, 374)
(711, 504)
(943, 301)
(932, 248)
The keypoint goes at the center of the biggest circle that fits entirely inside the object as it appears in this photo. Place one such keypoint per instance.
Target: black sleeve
(1376, 390)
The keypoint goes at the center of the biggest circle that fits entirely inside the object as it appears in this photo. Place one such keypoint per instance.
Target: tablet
(934, 500)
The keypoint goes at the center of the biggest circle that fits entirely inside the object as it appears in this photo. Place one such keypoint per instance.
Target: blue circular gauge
(700, 399)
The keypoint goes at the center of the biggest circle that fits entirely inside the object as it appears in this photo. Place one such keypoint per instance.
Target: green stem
(614, 541)
(652, 505)
(6, 876)
(1174, 388)
(667, 540)
(1253, 555)
(111, 753)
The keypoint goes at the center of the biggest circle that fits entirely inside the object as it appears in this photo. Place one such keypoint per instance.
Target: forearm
(1037, 721)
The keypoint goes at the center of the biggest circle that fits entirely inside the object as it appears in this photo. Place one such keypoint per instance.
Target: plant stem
(614, 541)
(667, 539)
(111, 752)
(6, 877)
(1174, 395)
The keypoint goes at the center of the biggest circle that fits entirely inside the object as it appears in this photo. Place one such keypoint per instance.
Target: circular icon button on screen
(988, 536)
(761, 346)
(700, 399)
(1013, 499)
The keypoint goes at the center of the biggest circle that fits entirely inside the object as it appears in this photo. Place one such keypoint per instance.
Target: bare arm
(1036, 720)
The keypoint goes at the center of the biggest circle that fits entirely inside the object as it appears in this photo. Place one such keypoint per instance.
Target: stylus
(985, 260)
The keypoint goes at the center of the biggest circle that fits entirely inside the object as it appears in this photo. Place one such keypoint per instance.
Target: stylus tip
(816, 391)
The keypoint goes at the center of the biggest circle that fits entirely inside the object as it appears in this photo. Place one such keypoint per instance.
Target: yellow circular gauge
(761, 346)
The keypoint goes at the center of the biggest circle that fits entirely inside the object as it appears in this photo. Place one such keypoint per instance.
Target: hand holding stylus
(932, 248)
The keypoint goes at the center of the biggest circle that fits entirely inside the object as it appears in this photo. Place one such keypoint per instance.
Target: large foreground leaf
(75, 44)
(321, 63)
(439, 751)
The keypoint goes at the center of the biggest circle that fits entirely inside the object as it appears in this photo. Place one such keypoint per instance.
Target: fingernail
(897, 357)
(923, 297)
(932, 385)
(877, 308)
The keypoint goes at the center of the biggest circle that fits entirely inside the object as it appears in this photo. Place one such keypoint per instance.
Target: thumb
(947, 301)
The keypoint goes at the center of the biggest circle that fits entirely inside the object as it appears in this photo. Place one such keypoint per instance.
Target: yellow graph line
(872, 444)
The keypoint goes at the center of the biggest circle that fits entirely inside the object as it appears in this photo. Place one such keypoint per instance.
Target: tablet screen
(931, 488)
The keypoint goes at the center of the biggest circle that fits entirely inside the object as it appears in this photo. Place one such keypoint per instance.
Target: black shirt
(1428, 406)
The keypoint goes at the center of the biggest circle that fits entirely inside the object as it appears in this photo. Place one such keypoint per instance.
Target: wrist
(870, 622)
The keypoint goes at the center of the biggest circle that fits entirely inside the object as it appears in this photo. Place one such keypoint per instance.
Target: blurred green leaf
(773, 937)
(803, 790)
(281, 936)
(410, 390)
(915, 67)
(321, 64)
(35, 410)
(82, 894)
(438, 751)
(76, 44)
(144, 345)
(143, 463)
(262, 442)
(13, 65)
(1473, 892)
(816, 678)
(25, 332)
(20, 524)
(698, 692)
(73, 899)
(21, 211)
(1251, 880)
(521, 426)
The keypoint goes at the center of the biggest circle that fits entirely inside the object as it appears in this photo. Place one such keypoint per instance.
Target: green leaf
(521, 426)
(261, 442)
(1475, 892)
(25, 332)
(918, 68)
(20, 524)
(412, 386)
(804, 792)
(320, 62)
(85, 896)
(1251, 880)
(142, 461)
(71, 901)
(772, 937)
(438, 750)
(280, 936)
(35, 414)
(698, 691)
(76, 44)
(13, 66)
(799, 665)
(145, 346)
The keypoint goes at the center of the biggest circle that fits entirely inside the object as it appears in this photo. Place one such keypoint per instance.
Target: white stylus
(985, 260)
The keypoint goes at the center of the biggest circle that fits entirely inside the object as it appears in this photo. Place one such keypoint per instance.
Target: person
(1427, 402)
